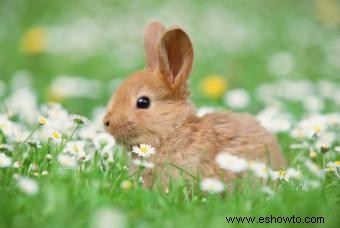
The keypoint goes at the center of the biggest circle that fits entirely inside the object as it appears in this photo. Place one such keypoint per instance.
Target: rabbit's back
(195, 145)
(241, 134)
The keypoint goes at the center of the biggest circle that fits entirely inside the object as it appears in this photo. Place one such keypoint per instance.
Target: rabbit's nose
(106, 121)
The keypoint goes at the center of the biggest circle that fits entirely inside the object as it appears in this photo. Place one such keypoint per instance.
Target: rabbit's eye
(143, 102)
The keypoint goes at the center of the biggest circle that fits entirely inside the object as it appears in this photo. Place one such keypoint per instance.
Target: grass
(72, 198)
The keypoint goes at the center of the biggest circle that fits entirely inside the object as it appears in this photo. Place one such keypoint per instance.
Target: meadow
(60, 61)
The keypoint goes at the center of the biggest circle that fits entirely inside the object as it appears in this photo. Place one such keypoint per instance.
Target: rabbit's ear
(152, 35)
(176, 57)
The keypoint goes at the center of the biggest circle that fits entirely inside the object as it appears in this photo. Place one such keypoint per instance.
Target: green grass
(69, 198)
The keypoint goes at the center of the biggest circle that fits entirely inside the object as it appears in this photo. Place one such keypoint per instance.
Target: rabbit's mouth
(122, 133)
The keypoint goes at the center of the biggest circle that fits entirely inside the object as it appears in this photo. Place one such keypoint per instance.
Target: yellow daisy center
(144, 149)
(282, 173)
(317, 129)
(75, 148)
(56, 135)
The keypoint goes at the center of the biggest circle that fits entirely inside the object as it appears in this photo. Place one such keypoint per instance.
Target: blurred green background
(244, 43)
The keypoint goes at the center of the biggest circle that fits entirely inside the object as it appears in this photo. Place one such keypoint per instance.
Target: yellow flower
(42, 120)
(34, 41)
(214, 86)
(126, 185)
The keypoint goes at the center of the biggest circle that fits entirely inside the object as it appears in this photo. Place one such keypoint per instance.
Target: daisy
(294, 173)
(334, 167)
(274, 120)
(88, 132)
(211, 185)
(5, 161)
(144, 150)
(104, 142)
(337, 149)
(259, 169)
(55, 136)
(143, 164)
(281, 174)
(76, 148)
(237, 99)
(231, 163)
(28, 185)
(78, 119)
(313, 168)
(67, 161)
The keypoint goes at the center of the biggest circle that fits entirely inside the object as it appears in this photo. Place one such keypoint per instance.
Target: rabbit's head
(152, 103)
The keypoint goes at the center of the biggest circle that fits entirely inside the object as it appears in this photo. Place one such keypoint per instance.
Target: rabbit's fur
(171, 125)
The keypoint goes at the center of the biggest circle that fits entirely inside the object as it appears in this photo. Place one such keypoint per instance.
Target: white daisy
(294, 173)
(337, 149)
(104, 142)
(281, 64)
(28, 185)
(334, 167)
(75, 147)
(231, 163)
(55, 136)
(237, 99)
(260, 169)
(211, 185)
(274, 120)
(144, 150)
(281, 174)
(143, 164)
(313, 168)
(5, 161)
(67, 161)
(78, 119)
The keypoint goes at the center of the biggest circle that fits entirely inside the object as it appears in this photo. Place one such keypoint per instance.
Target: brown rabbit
(152, 107)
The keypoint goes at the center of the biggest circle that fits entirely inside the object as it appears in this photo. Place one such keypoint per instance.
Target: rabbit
(152, 107)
